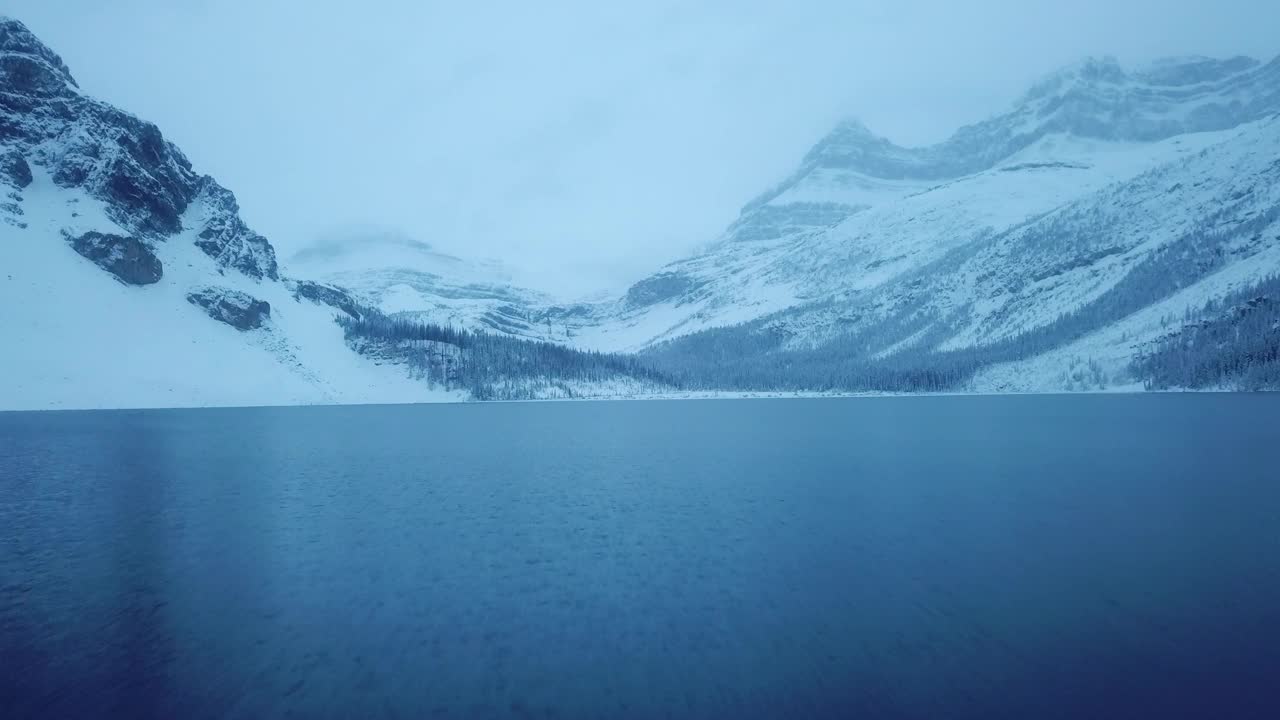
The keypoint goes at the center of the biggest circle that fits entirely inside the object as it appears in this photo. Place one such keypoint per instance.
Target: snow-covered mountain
(1110, 215)
(128, 279)
(401, 275)
(1044, 249)
(861, 211)
(1088, 285)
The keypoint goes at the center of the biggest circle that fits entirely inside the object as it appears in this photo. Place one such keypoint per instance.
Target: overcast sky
(582, 143)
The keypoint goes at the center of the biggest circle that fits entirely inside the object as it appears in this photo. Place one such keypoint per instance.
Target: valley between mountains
(1116, 228)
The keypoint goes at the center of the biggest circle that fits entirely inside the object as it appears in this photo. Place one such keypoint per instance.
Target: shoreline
(692, 395)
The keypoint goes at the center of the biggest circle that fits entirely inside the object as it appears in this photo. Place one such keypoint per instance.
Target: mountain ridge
(832, 189)
(131, 280)
(146, 181)
(1054, 246)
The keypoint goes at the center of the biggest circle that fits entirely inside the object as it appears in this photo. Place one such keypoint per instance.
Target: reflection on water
(939, 557)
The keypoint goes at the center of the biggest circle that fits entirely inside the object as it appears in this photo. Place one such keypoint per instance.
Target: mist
(582, 144)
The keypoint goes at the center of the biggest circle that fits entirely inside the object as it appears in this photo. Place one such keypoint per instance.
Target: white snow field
(78, 338)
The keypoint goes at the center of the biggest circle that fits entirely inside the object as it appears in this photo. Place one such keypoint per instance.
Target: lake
(930, 557)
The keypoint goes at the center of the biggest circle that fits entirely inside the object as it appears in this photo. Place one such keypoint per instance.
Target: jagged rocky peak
(146, 183)
(225, 237)
(1089, 72)
(1097, 98)
(850, 143)
(25, 61)
(853, 170)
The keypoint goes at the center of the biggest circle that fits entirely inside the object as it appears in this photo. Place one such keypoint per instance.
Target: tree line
(1230, 343)
(492, 366)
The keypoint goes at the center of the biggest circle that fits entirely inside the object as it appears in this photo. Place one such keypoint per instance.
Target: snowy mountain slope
(1091, 283)
(739, 281)
(82, 339)
(1100, 360)
(1041, 266)
(401, 275)
(1044, 249)
(1096, 99)
(145, 181)
(108, 239)
(861, 211)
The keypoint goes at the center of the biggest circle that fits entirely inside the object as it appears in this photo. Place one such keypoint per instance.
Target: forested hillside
(1232, 343)
(489, 366)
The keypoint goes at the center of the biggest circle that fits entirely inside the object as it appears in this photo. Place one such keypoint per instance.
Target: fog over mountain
(583, 144)
(1116, 226)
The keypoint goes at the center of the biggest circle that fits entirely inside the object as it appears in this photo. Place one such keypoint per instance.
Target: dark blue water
(1019, 557)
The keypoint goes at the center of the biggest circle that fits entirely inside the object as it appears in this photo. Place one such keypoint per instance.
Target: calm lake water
(945, 557)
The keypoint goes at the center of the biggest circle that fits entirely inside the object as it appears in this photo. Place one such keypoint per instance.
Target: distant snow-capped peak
(1095, 98)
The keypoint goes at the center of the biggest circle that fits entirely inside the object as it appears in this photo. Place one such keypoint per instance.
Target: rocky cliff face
(14, 170)
(15, 174)
(129, 260)
(145, 181)
(128, 279)
(239, 310)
